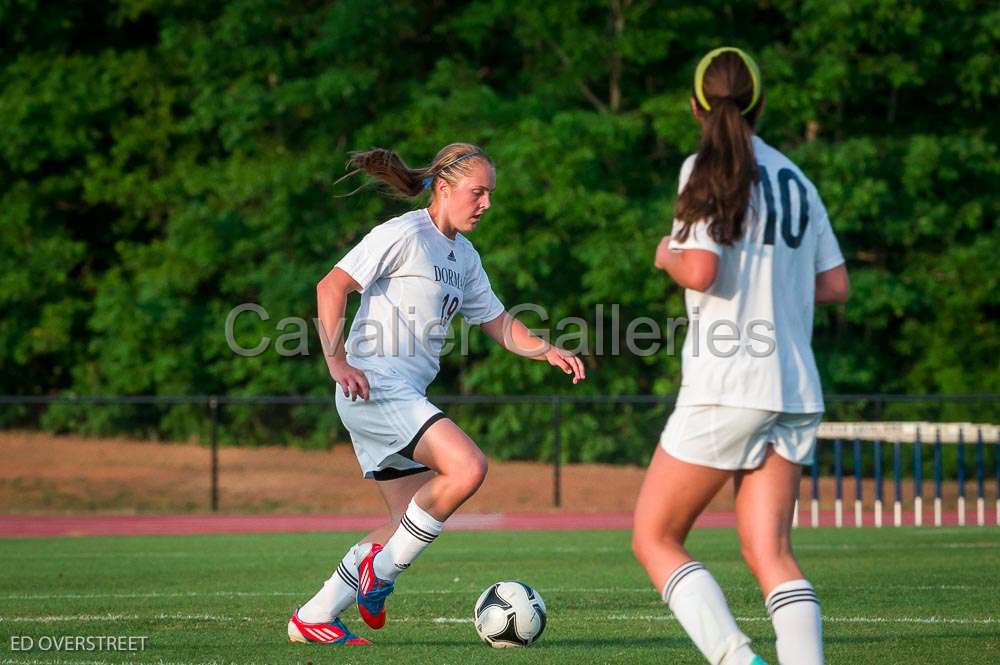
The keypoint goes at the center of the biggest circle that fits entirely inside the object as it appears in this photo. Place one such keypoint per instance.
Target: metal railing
(877, 404)
(918, 435)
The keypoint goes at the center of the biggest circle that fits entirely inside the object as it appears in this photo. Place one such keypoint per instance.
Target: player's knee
(473, 473)
(647, 542)
(478, 467)
(749, 554)
(482, 465)
(640, 545)
(762, 556)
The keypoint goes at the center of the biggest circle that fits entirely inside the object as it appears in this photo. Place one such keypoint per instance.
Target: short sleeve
(828, 254)
(378, 254)
(479, 303)
(698, 237)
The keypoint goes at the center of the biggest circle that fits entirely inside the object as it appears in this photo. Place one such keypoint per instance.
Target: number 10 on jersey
(786, 178)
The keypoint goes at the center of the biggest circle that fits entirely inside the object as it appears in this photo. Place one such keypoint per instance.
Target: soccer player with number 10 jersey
(752, 245)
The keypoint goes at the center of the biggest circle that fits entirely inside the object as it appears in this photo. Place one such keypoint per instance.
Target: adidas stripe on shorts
(385, 429)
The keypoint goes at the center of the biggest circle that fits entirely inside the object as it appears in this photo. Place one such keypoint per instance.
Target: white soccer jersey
(413, 280)
(749, 334)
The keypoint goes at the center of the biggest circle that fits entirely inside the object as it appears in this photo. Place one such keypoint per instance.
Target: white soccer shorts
(385, 429)
(729, 437)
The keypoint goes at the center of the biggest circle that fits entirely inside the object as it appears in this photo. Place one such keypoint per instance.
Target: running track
(134, 525)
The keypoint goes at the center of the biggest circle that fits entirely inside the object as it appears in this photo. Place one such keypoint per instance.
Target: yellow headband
(699, 76)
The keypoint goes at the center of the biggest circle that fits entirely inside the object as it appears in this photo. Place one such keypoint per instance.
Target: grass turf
(889, 596)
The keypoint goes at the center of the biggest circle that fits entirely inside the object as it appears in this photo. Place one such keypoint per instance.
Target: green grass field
(889, 596)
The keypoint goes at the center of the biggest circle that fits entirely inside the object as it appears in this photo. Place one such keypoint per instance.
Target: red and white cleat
(334, 633)
(372, 590)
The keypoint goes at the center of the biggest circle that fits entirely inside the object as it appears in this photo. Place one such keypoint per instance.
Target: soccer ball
(510, 614)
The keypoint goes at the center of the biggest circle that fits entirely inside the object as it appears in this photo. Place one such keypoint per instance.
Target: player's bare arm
(331, 303)
(514, 336)
(691, 268)
(833, 285)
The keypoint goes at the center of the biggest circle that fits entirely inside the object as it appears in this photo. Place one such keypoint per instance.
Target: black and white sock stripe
(779, 599)
(416, 531)
(345, 574)
(677, 576)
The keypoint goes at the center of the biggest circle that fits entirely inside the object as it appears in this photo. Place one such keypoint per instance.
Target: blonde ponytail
(387, 167)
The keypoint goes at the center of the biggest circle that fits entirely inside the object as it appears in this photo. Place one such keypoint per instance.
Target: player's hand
(351, 380)
(567, 362)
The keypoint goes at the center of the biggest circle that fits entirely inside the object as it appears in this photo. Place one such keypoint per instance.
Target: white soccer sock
(699, 605)
(416, 531)
(338, 593)
(794, 610)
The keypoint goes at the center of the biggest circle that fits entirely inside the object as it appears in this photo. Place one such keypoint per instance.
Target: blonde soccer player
(754, 250)
(414, 273)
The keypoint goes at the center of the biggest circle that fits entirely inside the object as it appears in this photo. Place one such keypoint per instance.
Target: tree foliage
(163, 161)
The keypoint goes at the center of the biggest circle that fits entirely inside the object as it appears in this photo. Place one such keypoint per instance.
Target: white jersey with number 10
(749, 335)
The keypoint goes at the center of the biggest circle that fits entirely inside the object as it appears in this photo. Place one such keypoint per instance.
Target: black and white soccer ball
(510, 614)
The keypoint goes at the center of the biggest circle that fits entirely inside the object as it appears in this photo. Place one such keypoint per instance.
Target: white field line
(861, 548)
(59, 661)
(9, 556)
(115, 617)
(569, 549)
(443, 592)
(121, 555)
(151, 594)
(826, 619)
(611, 617)
(830, 619)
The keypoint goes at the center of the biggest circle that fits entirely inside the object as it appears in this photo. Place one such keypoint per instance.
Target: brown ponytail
(388, 167)
(725, 169)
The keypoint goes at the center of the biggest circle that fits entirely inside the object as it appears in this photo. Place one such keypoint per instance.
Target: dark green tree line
(163, 161)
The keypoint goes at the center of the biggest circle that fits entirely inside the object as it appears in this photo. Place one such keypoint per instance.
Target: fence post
(897, 473)
(838, 503)
(814, 504)
(996, 466)
(878, 483)
(213, 407)
(937, 481)
(918, 482)
(879, 415)
(556, 451)
(961, 479)
(858, 485)
(980, 479)
(918, 478)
